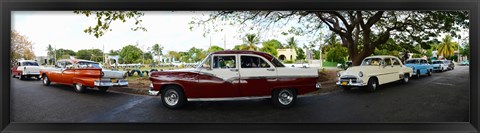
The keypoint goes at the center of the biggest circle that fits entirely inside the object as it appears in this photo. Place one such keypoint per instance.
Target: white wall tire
(284, 98)
(372, 84)
(79, 88)
(45, 81)
(406, 78)
(173, 97)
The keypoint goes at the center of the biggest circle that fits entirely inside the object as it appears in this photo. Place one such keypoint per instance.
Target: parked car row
(378, 70)
(78, 73)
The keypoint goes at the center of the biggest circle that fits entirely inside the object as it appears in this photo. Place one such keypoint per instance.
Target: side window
(253, 62)
(396, 62)
(224, 62)
(388, 61)
(68, 64)
(59, 64)
(423, 62)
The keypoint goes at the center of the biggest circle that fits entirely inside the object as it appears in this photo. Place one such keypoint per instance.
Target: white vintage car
(374, 71)
(26, 69)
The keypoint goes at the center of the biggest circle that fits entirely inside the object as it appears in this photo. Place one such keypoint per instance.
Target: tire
(372, 85)
(79, 88)
(418, 74)
(103, 89)
(45, 80)
(406, 78)
(173, 97)
(21, 77)
(429, 73)
(37, 77)
(284, 98)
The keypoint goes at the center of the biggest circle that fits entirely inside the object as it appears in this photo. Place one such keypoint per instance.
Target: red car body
(236, 82)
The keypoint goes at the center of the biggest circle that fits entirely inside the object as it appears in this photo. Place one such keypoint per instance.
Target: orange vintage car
(79, 73)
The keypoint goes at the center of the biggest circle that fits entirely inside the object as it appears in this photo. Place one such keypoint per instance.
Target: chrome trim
(153, 92)
(103, 83)
(228, 98)
(352, 84)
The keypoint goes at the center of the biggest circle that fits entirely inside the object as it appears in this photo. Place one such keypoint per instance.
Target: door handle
(234, 70)
(270, 69)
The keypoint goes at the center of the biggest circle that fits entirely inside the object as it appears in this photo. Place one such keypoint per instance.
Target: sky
(64, 29)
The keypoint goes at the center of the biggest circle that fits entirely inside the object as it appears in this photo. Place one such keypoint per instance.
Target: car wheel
(37, 77)
(79, 88)
(173, 97)
(406, 78)
(429, 72)
(418, 74)
(21, 77)
(372, 85)
(103, 89)
(45, 80)
(284, 98)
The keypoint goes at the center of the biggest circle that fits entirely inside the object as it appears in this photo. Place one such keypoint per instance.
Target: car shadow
(28, 79)
(88, 91)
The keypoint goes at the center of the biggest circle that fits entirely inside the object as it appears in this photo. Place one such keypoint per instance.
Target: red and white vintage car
(234, 75)
(26, 69)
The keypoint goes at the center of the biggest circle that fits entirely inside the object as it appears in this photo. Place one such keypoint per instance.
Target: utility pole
(224, 41)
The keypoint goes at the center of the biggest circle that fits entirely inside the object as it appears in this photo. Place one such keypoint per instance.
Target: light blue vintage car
(419, 66)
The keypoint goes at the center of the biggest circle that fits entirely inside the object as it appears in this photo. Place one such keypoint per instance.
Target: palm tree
(251, 40)
(447, 47)
(49, 51)
(291, 43)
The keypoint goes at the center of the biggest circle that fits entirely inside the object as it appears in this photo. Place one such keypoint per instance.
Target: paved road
(443, 97)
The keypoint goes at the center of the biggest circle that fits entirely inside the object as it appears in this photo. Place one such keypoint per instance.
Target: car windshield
(205, 63)
(437, 62)
(29, 64)
(277, 63)
(84, 64)
(371, 62)
(412, 61)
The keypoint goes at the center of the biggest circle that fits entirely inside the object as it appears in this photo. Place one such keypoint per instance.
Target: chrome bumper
(152, 92)
(102, 83)
(121, 83)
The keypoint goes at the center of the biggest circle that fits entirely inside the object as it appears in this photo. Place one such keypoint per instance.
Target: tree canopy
(20, 47)
(361, 32)
(105, 18)
(130, 54)
(90, 54)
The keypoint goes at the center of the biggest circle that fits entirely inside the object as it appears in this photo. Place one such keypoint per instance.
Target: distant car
(298, 64)
(374, 71)
(439, 65)
(82, 74)
(26, 69)
(450, 64)
(464, 63)
(419, 66)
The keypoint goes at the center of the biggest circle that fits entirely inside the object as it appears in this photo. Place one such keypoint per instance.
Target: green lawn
(329, 64)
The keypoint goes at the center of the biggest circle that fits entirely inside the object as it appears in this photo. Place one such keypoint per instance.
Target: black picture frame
(6, 6)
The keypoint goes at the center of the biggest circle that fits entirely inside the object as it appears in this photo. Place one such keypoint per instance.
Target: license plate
(114, 81)
(344, 83)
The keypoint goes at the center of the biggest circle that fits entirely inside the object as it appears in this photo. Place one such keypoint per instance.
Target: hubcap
(406, 78)
(45, 80)
(78, 86)
(374, 85)
(171, 97)
(285, 97)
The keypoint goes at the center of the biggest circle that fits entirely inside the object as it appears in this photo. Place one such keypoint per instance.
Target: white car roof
(381, 56)
(27, 61)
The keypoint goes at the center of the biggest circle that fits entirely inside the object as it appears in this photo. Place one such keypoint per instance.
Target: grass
(329, 64)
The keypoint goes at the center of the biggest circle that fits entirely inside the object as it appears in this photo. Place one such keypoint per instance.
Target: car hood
(354, 70)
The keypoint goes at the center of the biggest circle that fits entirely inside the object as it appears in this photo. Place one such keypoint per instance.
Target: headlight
(338, 74)
(360, 74)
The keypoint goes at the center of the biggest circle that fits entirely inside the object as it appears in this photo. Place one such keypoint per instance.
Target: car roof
(381, 56)
(76, 60)
(265, 55)
(27, 61)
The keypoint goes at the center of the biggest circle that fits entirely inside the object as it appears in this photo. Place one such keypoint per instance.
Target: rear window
(29, 64)
(437, 62)
(414, 61)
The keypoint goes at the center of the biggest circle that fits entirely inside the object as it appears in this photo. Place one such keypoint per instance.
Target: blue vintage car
(419, 66)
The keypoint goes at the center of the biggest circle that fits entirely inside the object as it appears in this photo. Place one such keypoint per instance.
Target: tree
(337, 54)
(157, 49)
(131, 54)
(214, 49)
(64, 53)
(251, 40)
(90, 54)
(269, 48)
(195, 54)
(447, 47)
(50, 53)
(273, 42)
(291, 43)
(114, 52)
(465, 51)
(300, 54)
(361, 32)
(174, 54)
(105, 18)
(20, 47)
(241, 47)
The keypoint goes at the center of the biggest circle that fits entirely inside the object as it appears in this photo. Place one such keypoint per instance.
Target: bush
(337, 54)
(288, 61)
